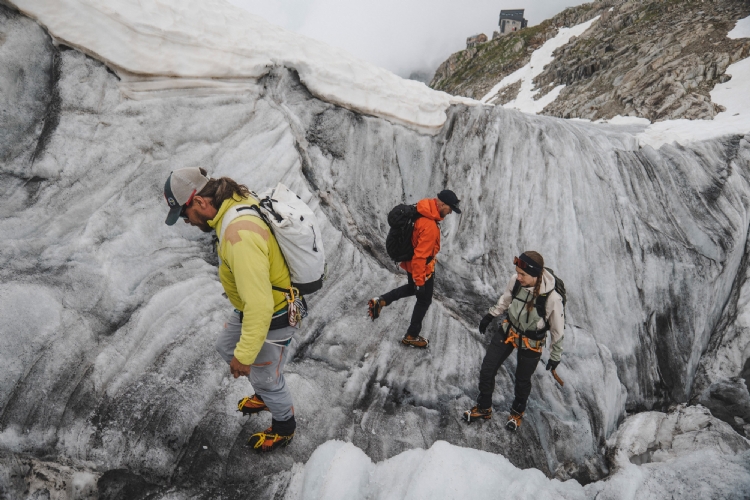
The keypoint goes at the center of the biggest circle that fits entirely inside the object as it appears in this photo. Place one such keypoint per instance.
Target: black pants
(424, 299)
(497, 352)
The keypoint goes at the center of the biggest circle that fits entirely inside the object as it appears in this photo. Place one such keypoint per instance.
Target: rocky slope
(473, 72)
(656, 59)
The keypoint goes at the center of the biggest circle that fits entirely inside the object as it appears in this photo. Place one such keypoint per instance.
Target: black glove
(485, 322)
(551, 365)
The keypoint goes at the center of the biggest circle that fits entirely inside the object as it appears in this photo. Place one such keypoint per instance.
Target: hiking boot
(415, 342)
(252, 404)
(514, 421)
(374, 306)
(477, 413)
(268, 440)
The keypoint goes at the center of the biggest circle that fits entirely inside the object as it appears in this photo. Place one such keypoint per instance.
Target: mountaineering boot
(269, 440)
(477, 413)
(252, 404)
(514, 420)
(280, 434)
(374, 306)
(415, 342)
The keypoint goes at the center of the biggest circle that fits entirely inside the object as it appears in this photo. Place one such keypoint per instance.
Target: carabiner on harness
(521, 340)
(296, 306)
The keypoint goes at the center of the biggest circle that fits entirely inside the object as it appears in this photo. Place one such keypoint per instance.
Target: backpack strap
(233, 213)
(516, 289)
(541, 309)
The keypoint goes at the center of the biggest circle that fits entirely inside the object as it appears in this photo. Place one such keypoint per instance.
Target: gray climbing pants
(267, 372)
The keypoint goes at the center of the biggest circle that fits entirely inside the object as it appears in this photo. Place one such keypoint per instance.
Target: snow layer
(741, 29)
(211, 46)
(525, 101)
(668, 443)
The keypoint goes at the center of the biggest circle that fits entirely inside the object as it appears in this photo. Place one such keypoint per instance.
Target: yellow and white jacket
(251, 263)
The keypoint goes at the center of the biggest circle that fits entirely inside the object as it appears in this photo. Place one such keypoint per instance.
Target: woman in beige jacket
(533, 308)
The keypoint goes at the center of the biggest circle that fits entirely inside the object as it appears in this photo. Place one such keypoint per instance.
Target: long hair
(539, 260)
(223, 189)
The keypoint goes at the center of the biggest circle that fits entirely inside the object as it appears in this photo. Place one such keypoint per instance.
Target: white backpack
(296, 230)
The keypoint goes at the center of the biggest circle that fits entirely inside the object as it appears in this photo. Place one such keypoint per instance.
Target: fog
(404, 36)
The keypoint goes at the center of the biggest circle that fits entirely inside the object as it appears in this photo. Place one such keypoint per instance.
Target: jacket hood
(428, 208)
(548, 282)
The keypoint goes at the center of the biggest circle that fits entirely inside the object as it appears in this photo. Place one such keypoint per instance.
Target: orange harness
(513, 338)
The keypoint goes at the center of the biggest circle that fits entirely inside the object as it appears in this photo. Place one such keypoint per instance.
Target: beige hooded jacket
(554, 310)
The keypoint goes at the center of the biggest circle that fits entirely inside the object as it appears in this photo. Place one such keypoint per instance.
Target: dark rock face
(474, 71)
(652, 59)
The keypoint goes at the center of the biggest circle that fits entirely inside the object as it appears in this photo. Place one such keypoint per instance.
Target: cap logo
(172, 202)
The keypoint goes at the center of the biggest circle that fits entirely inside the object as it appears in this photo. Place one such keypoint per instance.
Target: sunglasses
(523, 264)
(187, 204)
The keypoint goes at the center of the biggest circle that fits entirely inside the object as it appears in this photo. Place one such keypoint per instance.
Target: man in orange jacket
(421, 268)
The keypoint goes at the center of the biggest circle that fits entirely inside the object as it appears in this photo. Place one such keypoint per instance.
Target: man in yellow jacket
(254, 275)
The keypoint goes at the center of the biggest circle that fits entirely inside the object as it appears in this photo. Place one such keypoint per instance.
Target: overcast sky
(400, 35)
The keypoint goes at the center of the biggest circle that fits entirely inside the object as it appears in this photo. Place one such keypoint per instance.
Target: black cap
(449, 198)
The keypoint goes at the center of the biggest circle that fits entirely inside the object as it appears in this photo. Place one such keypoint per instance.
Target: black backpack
(541, 300)
(398, 244)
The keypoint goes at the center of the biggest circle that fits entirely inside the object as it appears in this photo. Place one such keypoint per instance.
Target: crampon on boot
(477, 413)
(415, 342)
(514, 420)
(268, 440)
(250, 405)
(374, 306)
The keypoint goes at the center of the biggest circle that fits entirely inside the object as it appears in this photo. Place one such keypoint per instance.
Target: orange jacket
(426, 241)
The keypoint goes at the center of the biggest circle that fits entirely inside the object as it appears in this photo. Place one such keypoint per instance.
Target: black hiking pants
(497, 353)
(424, 299)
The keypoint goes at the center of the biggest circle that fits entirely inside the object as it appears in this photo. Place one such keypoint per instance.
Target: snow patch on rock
(539, 59)
(733, 95)
(741, 29)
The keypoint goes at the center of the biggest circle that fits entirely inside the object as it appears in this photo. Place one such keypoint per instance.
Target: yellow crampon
(242, 403)
(268, 440)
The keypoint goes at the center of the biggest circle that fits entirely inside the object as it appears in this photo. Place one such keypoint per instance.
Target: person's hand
(485, 323)
(419, 290)
(238, 369)
(551, 365)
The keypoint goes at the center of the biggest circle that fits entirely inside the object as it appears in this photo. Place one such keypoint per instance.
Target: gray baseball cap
(180, 188)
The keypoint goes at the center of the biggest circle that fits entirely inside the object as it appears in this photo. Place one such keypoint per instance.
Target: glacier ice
(108, 317)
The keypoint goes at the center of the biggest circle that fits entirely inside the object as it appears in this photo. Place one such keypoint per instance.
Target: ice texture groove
(108, 317)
